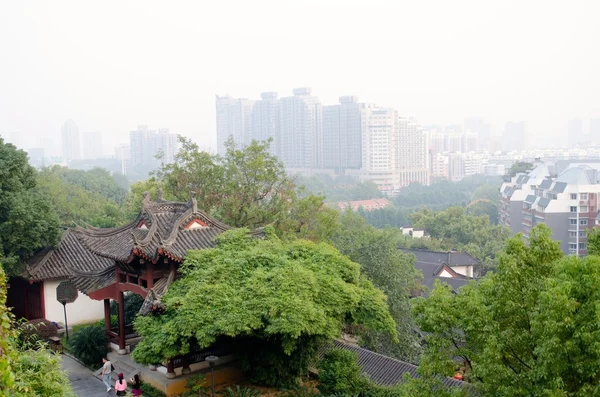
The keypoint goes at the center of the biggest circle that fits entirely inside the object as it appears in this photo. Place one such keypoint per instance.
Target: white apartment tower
(265, 121)
(234, 119)
(300, 128)
(71, 149)
(342, 130)
(92, 145)
(413, 153)
(152, 148)
(380, 146)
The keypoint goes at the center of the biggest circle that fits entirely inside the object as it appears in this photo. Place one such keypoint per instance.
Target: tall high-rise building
(71, 149)
(265, 120)
(515, 135)
(150, 148)
(234, 119)
(482, 130)
(36, 157)
(122, 153)
(412, 157)
(453, 141)
(576, 136)
(380, 147)
(92, 145)
(300, 121)
(595, 130)
(436, 141)
(468, 142)
(342, 139)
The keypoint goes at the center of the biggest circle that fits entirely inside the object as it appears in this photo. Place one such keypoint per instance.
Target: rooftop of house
(383, 370)
(451, 258)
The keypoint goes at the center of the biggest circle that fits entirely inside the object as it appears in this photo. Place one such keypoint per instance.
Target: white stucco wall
(464, 270)
(83, 310)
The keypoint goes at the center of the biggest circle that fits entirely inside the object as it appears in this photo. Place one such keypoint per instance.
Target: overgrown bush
(196, 386)
(114, 321)
(150, 391)
(133, 303)
(339, 373)
(89, 344)
(36, 330)
(241, 392)
(302, 391)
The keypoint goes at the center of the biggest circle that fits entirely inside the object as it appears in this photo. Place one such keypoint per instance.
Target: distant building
(152, 148)
(452, 267)
(122, 154)
(595, 130)
(440, 166)
(36, 157)
(494, 169)
(342, 130)
(367, 205)
(92, 145)
(468, 142)
(515, 135)
(379, 147)
(71, 149)
(575, 129)
(265, 121)
(482, 130)
(234, 120)
(413, 153)
(300, 126)
(567, 203)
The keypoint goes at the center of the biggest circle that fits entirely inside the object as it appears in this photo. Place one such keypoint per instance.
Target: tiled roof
(543, 202)
(451, 258)
(63, 261)
(530, 199)
(546, 183)
(160, 229)
(383, 370)
(559, 187)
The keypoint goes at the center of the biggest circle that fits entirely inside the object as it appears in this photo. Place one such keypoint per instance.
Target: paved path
(82, 380)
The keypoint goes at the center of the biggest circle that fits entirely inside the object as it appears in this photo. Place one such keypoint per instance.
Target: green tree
(389, 270)
(83, 197)
(280, 299)
(593, 241)
(529, 329)
(27, 370)
(27, 219)
(519, 167)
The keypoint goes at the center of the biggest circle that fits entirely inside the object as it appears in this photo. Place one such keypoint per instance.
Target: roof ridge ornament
(135, 240)
(146, 199)
(194, 202)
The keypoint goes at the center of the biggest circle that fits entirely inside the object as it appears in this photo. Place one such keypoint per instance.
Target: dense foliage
(35, 331)
(26, 370)
(89, 344)
(339, 372)
(529, 329)
(292, 295)
(389, 270)
(132, 304)
(339, 188)
(27, 219)
(454, 228)
(519, 167)
(84, 197)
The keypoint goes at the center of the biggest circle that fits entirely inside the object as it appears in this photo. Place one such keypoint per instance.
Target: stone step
(120, 368)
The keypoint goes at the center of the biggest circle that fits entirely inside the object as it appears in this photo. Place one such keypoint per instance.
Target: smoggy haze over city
(111, 66)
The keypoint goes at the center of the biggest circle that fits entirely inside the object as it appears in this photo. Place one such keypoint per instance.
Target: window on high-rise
(573, 196)
(573, 209)
(583, 222)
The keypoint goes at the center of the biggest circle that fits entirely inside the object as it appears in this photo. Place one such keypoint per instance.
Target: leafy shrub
(36, 330)
(133, 303)
(89, 344)
(196, 386)
(241, 392)
(150, 391)
(114, 321)
(300, 392)
(339, 373)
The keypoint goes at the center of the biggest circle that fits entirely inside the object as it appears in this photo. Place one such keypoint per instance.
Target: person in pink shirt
(121, 386)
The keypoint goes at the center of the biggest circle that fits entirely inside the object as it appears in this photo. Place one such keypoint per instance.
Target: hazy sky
(111, 65)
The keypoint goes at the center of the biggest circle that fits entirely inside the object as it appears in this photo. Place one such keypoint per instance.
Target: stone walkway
(82, 379)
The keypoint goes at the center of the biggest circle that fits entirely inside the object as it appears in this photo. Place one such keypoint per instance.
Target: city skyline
(477, 67)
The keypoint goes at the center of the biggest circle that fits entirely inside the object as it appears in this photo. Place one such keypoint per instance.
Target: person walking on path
(106, 371)
(121, 386)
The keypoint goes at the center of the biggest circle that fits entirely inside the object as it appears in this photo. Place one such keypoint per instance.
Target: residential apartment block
(71, 145)
(566, 201)
(151, 148)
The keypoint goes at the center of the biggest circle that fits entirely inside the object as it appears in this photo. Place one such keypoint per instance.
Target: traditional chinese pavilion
(141, 257)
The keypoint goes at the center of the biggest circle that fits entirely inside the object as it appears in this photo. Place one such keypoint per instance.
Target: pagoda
(142, 257)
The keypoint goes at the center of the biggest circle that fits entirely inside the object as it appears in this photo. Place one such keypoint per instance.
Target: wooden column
(186, 366)
(150, 275)
(121, 302)
(107, 314)
(170, 369)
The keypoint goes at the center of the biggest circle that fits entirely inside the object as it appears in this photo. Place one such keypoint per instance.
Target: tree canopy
(27, 219)
(519, 167)
(531, 328)
(284, 296)
(84, 197)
